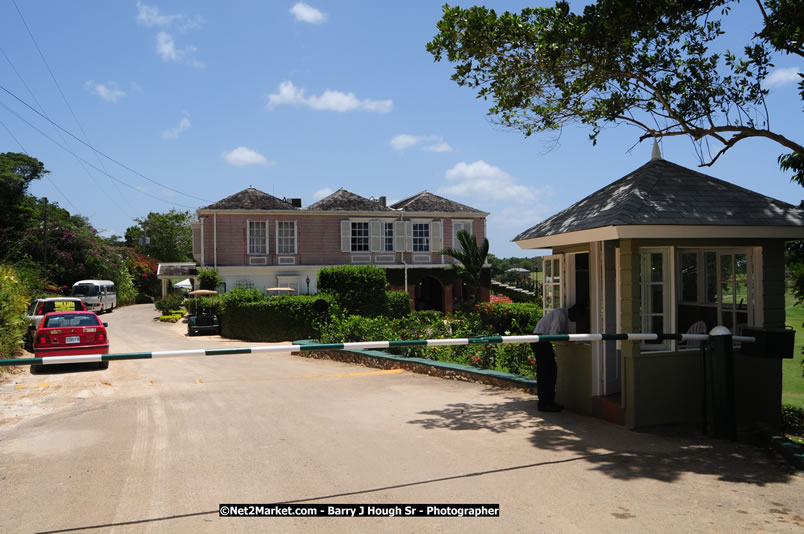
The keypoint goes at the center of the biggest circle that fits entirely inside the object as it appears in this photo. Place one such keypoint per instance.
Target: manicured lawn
(792, 379)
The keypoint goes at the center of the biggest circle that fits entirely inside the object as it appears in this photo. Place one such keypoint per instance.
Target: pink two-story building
(255, 240)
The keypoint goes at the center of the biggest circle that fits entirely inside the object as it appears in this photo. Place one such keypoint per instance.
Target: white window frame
(753, 282)
(279, 236)
(668, 296)
(387, 246)
(424, 240)
(552, 283)
(249, 239)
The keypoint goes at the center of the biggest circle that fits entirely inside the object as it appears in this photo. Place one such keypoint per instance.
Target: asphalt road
(157, 445)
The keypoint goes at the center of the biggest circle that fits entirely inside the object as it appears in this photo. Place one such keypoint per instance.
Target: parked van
(98, 295)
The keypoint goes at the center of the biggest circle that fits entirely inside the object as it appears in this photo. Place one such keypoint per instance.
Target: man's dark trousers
(546, 372)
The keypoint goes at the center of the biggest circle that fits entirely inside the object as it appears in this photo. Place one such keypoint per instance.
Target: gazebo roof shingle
(664, 193)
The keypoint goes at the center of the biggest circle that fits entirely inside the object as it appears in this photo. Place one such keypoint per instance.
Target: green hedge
(280, 318)
(358, 289)
(398, 303)
(169, 303)
(793, 420)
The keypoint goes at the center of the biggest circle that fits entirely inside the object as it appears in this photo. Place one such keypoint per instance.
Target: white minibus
(98, 295)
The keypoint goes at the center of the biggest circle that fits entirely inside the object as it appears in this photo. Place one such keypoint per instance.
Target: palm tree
(471, 259)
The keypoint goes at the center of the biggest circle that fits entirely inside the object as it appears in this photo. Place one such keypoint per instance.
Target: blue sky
(297, 100)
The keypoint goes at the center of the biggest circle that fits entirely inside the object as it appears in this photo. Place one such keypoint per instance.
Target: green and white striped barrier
(362, 345)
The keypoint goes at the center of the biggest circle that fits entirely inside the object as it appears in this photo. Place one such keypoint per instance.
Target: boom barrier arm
(362, 345)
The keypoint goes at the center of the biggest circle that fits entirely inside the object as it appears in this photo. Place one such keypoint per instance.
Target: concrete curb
(383, 360)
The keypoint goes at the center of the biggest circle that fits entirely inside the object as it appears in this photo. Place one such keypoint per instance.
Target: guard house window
(286, 237)
(360, 236)
(716, 289)
(655, 297)
(257, 237)
(551, 288)
(388, 237)
(421, 237)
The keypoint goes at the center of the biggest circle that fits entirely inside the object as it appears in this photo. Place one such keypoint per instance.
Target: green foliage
(518, 318)
(209, 279)
(169, 303)
(493, 320)
(171, 317)
(471, 259)
(358, 289)
(398, 303)
(212, 304)
(13, 304)
(280, 318)
(170, 235)
(17, 171)
(793, 420)
(659, 66)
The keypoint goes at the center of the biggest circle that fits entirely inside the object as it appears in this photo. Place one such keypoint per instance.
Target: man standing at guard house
(556, 321)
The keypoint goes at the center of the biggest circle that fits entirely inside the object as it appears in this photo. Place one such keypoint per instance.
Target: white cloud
(290, 95)
(166, 48)
(241, 156)
(440, 146)
(403, 141)
(430, 143)
(150, 16)
(780, 77)
(479, 179)
(306, 13)
(322, 193)
(110, 93)
(173, 133)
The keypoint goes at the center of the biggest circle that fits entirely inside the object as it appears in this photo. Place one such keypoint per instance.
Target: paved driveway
(156, 445)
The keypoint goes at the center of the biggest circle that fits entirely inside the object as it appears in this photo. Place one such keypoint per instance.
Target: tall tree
(170, 236)
(471, 259)
(653, 65)
(17, 171)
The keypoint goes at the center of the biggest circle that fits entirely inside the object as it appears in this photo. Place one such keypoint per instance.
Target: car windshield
(72, 319)
(85, 290)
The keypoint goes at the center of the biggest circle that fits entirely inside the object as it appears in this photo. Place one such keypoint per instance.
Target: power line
(90, 164)
(63, 97)
(51, 182)
(98, 151)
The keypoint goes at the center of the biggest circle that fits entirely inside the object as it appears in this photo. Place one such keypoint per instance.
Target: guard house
(666, 249)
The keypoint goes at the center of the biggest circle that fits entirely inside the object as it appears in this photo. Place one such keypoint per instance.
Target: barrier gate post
(723, 414)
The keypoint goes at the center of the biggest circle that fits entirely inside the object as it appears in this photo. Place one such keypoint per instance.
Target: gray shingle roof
(251, 199)
(663, 193)
(428, 202)
(343, 200)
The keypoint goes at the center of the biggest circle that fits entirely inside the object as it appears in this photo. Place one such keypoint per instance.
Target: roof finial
(657, 152)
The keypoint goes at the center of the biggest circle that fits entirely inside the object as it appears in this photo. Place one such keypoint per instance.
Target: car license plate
(72, 339)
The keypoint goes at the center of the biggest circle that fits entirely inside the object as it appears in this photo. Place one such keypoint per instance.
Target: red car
(70, 334)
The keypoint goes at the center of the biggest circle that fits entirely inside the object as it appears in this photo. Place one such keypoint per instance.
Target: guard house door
(605, 309)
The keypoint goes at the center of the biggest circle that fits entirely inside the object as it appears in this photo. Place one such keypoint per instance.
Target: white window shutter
(408, 236)
(435, 236)
(399, 236)
(375, 239)
(346, 236)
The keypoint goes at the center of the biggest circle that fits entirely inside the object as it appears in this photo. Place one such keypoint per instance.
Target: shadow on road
(663, 454)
